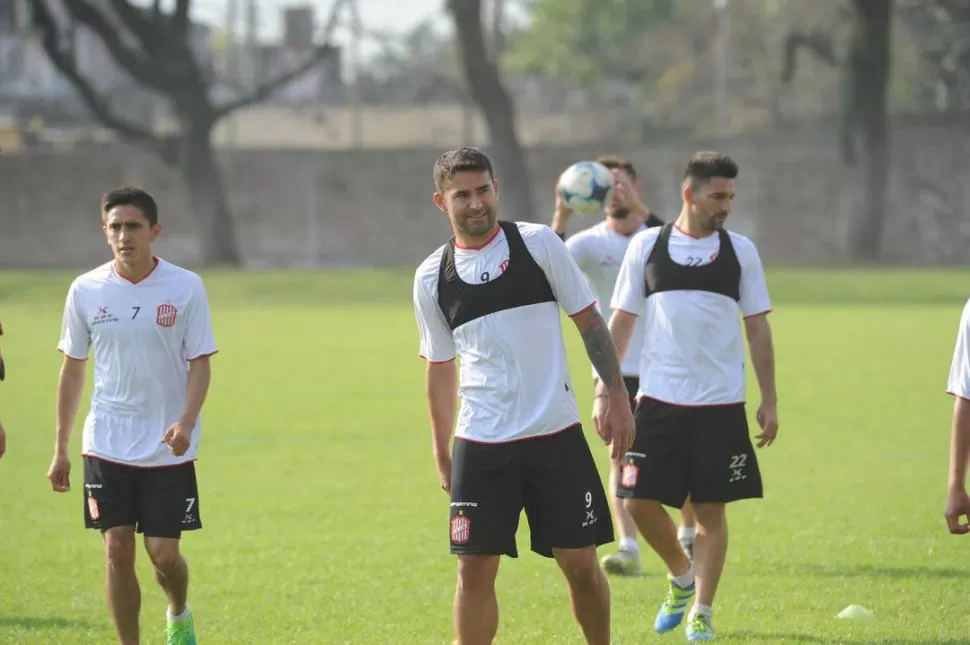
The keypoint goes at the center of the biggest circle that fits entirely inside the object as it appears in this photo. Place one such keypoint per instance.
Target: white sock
(629, 544)
(700, 609)
(686, 579)
(686, 533)
(181, 616)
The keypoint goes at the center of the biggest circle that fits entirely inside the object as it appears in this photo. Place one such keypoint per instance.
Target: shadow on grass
(38, 622)
(890, 573)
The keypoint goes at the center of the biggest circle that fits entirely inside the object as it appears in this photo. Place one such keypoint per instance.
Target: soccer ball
(586, 187)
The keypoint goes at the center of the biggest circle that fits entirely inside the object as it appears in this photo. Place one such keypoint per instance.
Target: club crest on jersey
(629, 475)
(165, 315)
(461, 528)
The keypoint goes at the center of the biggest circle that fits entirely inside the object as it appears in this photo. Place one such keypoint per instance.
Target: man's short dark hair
(704, 166)
(130, 196)
(458, 160)
(614, 162)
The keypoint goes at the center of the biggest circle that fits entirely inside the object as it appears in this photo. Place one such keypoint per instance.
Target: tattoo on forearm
(602, 351)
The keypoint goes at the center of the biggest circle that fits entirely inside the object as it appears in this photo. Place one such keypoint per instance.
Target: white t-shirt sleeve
(568, 283)
(753, 288)
(579, 250)
(628, 294)
(199, 340)
(75, 339)
(959, 382)
(435, 340)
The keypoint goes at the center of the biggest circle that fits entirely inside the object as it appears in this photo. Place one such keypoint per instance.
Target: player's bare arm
(3, 440)
(70, 386)
(614, 424)
(441, 389)
(178, 436)
(560, 217)
(958, 502)
(600, 348)
(758, 332)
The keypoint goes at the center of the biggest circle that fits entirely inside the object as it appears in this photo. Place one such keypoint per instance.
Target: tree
(486, 88)
(941, 29)
(155, 49)
(583, 40)
(863, 116)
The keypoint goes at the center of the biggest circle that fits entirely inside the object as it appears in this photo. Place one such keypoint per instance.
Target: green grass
(324, 522)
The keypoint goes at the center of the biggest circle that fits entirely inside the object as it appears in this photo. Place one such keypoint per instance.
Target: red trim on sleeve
(760, 313)
(583, 310)
(436, 362)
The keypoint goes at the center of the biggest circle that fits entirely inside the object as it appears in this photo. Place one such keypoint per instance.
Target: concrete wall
(338, 208)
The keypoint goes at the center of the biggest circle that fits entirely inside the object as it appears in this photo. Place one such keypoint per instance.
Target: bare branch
(181, 20)
(153, 34)
(320, 53)
(818, 43)
(64, 62)
(139, 66)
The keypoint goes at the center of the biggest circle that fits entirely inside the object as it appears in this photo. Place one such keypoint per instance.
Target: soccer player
(147, 322)
(490, 297)
(598, 250)
(690, 280)
(958, 503)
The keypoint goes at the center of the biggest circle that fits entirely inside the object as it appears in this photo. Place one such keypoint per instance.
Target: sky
(385, 16)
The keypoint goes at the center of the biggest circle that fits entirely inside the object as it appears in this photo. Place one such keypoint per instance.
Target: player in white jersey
(491, 299)
(599, 250)
(147, 322)
(692, 281)
(958, 385)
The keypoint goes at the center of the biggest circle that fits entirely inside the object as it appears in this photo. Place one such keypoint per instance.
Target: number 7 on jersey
(137, 309)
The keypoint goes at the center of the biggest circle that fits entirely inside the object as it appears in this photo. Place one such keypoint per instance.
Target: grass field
(323, 518)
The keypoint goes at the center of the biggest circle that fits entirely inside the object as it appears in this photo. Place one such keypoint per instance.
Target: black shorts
(554, 478)
(159, 502)
(705, 452)
(632, 384)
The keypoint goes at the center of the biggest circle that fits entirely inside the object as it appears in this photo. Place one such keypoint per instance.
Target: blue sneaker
(672, 611)
(700, 628)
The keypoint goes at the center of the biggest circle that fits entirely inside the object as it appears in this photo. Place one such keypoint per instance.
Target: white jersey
(142, 335)
(514, 380)
(599, 251)
(958, 383)
(693, 353)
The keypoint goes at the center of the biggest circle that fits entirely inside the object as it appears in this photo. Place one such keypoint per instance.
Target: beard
(476, 223)
(618, 212)
(716, 221)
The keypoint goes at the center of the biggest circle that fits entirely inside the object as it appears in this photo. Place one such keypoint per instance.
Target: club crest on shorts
(461, 528)
(629, 475)
(165, 315)
(93, 510)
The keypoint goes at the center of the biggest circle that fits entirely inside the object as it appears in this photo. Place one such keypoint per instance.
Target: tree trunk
(207, 198)
(870, 66)
(485, 85)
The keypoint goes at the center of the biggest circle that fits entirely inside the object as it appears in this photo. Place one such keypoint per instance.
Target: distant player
(598, 251)
(491, 298)
(147, 322)
(958, 503)
(691, 281)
